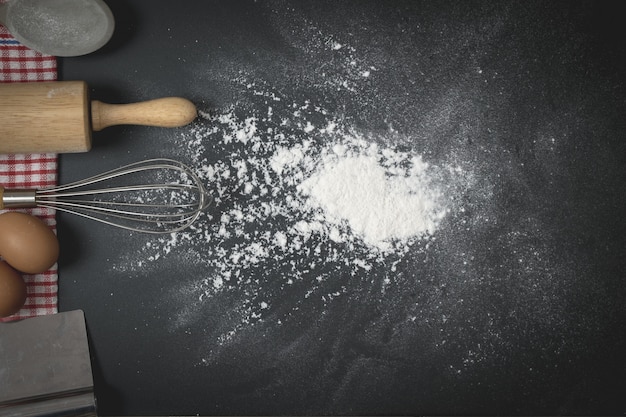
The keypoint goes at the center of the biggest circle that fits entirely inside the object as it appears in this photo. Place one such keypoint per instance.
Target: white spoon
(59, 27)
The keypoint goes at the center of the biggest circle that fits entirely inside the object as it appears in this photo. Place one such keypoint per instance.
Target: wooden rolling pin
(57, 116)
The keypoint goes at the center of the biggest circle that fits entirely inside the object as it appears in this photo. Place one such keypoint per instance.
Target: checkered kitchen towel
(20, 64)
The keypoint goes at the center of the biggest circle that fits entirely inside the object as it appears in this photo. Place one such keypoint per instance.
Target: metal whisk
(152, 196)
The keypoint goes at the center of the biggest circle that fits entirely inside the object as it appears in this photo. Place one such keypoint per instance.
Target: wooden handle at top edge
(161, 112)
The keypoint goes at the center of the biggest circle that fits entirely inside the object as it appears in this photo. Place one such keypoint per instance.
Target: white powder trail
(296, 201)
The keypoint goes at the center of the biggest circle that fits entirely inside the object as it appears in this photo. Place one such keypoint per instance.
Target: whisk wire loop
(172, 199)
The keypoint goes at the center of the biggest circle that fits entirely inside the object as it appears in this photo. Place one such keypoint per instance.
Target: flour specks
(294, 198)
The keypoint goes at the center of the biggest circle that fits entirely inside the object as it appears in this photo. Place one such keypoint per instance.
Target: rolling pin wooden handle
(161, 112)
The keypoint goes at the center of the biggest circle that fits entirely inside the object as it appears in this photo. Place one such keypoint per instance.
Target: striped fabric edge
(20, 64)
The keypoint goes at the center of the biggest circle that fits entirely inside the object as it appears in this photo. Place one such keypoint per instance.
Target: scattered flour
(296, 201)
(297, 196)
(301, 197)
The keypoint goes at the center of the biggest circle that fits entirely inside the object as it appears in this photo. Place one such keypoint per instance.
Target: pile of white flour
(382, 196)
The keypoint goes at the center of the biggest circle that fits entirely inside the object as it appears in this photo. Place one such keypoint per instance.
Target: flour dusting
(298, 196)
(304, 197)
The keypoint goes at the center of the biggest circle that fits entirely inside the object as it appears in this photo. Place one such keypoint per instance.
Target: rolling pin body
(57, 116)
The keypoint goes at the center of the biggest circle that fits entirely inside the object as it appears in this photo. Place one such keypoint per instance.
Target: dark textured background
(517, 306)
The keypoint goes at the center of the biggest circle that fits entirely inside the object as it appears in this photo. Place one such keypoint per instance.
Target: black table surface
(517, 304)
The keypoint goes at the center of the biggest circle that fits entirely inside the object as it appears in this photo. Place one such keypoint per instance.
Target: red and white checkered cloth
(20, 64)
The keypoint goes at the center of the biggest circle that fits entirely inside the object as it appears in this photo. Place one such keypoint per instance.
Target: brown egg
(12, 290)
(27, 243)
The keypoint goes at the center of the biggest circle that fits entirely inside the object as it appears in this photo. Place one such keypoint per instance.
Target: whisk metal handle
(17, 198)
